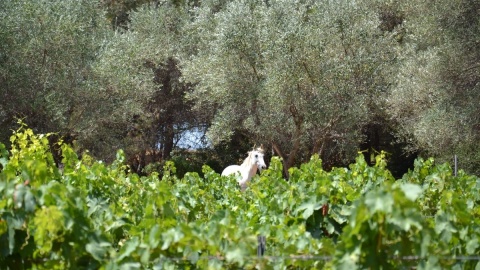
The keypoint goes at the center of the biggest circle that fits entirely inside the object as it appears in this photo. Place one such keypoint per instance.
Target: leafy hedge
(90, 215)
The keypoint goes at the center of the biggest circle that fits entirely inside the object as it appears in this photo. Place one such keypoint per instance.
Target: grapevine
(89, 214)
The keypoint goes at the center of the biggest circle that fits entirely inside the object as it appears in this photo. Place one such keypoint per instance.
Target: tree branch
(312, 80)
(278, 151)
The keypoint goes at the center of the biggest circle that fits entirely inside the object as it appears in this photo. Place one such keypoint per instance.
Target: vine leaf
(412, 191)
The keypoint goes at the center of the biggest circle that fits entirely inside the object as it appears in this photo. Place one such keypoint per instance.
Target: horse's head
(257, 157)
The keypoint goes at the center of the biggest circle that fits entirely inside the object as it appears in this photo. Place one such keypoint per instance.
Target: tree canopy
(302, 77)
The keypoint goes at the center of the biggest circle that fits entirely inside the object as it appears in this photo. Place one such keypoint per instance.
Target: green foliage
(310, 77)
(92, 215)
(47, 49)
(138, 70)
(435, 93)
(301, 74)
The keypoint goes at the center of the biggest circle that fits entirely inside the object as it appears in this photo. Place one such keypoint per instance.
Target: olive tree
(46, 50)
(140, 64)
(64, 69)
(435, 95)
(295, 75)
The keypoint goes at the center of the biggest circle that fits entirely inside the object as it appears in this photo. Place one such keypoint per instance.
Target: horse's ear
(261, 148)
(254, 146)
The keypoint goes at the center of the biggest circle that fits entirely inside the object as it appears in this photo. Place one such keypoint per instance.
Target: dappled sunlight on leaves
(98, 214)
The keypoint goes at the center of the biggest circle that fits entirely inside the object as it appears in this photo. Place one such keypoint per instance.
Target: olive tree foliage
(142, 62)
(64, 69)
(46, 50)
(118, 11)
(435, 95)
(298, 76)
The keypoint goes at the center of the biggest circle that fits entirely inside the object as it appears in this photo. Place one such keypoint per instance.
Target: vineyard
(89, 215)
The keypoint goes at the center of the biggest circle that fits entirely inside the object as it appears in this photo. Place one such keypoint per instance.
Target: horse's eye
(256, 156)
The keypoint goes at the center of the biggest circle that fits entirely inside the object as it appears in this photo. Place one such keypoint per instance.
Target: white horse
(249, 167)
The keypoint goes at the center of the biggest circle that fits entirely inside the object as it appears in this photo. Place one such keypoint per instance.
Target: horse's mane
(246, 162)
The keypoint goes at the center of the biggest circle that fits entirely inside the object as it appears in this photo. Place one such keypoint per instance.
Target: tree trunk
(169, 137)
(289, 161)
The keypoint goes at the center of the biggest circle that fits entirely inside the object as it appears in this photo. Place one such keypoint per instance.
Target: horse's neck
(253, 171)
(249, 168)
